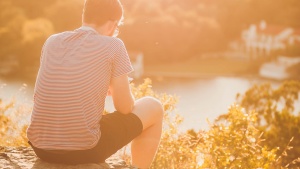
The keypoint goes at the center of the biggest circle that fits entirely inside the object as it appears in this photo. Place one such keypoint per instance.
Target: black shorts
(117, 130)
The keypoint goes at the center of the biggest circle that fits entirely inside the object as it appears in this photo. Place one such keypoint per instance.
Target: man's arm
(122, 97)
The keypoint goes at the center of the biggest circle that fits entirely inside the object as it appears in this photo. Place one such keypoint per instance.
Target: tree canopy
(163, 30)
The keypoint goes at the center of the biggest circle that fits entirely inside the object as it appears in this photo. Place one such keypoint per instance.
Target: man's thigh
(117, 130)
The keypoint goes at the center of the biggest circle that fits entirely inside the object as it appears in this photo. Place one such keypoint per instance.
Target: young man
(77, 70)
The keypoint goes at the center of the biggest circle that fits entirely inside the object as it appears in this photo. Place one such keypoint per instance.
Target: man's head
(100, 12)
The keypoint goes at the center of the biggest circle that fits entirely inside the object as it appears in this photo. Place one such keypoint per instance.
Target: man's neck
(100, 30)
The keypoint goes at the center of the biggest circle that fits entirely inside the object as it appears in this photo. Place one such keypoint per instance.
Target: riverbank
(192, 68)
(204, 68)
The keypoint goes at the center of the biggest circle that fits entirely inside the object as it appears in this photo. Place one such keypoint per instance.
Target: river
(199, 99)
(202, 100)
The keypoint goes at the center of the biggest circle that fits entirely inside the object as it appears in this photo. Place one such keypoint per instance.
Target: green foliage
(276, 116)
(3, 119)
(26, 25)
(11, 133)
(191, 29)
(236, 143)
(38, 6)
(65, 15)
(11, 21)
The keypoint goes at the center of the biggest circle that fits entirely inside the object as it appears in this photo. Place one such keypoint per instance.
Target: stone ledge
(25, 158)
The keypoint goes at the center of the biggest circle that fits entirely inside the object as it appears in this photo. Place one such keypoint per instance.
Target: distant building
(277, 69)
(261, 39)
(137, 61)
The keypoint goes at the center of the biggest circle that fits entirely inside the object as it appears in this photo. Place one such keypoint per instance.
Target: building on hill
(263, 39)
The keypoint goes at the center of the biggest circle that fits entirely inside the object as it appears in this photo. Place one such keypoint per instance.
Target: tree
(276, 116)
(33, 8)
(11, 21)
(65, 15)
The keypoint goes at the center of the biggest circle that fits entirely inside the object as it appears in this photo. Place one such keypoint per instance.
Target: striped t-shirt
(75, 71)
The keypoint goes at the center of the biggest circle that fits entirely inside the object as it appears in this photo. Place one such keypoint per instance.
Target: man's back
(73, 79)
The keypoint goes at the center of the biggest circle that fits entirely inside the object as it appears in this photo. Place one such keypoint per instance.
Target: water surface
(199, 99)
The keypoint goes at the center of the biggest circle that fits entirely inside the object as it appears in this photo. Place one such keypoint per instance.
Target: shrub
(11, 132)
(276, 117)
(234, 142)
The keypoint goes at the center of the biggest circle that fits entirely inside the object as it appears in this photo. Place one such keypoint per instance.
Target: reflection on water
(199, 99)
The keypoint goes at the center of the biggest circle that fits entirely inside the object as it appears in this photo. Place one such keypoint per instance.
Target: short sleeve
(121, 62)
(44, 48)
(43, 52)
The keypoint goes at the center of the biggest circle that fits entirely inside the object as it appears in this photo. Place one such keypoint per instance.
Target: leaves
(276, 116)
(235, 142)
(11, 133)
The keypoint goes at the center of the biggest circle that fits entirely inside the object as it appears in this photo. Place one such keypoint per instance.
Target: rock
(25, 158)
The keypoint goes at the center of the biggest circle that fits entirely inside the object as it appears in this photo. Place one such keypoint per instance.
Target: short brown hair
(100, 11)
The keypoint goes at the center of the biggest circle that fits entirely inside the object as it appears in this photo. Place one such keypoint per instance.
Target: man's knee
(155, 105)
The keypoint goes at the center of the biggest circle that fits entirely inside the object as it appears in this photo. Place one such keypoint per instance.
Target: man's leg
(144, 147)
